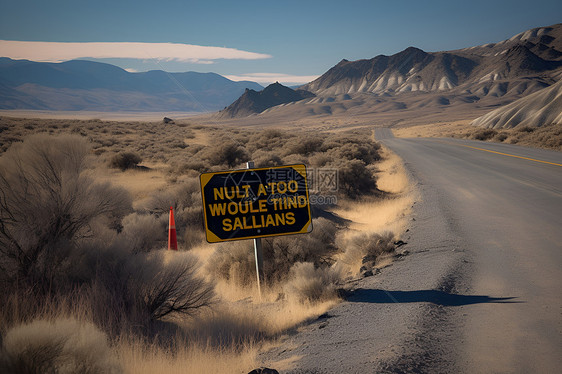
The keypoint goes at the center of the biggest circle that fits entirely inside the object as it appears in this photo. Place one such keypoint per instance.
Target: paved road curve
(503, 203)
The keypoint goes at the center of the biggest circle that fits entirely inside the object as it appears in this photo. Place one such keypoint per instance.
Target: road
(480, 290)
(504, 203)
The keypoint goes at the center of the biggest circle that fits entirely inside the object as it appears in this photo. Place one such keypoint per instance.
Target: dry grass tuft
(185, 358)
(60, 346)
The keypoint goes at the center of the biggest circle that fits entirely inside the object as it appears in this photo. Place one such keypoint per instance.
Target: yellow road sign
(255, 203)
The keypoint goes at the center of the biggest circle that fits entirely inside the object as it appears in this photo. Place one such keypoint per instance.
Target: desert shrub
(229, 154)
(500, 137)
(319, 160)
(186, 201)
(266, 159)
(185, 195)
(193, 236)
(233, 262)
(269, 139)
(308, 283)
(144, 232)
(484, 134)
(351, 148)
(306, 146)
(317, 247)
(48, 205)
(184, 167)
(125, 160)
(363, 249)
(354, 179)
(133, 292)
(167, 283)
(527, 129)
(61, 346)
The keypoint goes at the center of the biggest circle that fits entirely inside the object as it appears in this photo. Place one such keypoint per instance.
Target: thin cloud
(62, 51)
(266, 78)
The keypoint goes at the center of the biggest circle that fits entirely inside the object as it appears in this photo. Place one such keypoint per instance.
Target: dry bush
(268, 140)
(167, 283)
(525, 129)
(354, 178)
(182, 196)
(353, 147)
(193, 235)
(363, 249)
(281, 253)
(186, 201)
(125, 160)
(234, 262)
(133, 292)
(229, 153)
(547, 136)
(500, 137)
(61, 346)
(306, 146)
(144, 232)
(266, 159)
(48, 204)
(308, 283)
(484, 134)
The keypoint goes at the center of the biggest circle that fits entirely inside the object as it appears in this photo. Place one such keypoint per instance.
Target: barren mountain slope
(542, 107)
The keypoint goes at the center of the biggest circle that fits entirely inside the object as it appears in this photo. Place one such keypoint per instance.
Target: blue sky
(290, 40)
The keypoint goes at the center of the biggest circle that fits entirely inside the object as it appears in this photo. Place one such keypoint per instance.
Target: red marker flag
(172, 238)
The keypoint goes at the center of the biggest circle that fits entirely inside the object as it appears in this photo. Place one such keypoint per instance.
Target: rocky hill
(253, 102)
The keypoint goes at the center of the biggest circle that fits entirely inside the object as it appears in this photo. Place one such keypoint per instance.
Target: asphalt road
(480, 290)
(502, 205)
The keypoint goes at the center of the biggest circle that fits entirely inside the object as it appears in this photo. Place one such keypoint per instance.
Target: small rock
(368, 273)
(399, 243)
(264, 371)
(168, 121)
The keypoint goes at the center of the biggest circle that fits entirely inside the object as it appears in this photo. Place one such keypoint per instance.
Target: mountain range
(417, 86)
(88, 85)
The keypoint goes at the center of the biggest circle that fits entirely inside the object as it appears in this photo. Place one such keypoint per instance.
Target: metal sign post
(257, 250)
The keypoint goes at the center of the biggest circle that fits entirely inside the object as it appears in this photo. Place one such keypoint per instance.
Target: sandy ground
(88, 115)
(435, 130)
